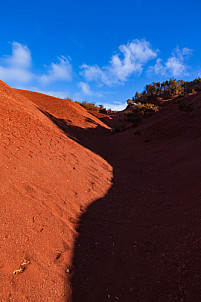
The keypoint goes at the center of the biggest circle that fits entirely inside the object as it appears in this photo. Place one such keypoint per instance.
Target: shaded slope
(41, 199)
(141, 241)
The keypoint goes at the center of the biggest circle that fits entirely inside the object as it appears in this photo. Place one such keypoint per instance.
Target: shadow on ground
(131, 243)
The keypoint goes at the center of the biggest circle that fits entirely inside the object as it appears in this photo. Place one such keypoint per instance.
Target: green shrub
(140, 111)
(145, 107)
(156, 92)
(92, 106)
(134, 117)
(69, 99)
(88, 106)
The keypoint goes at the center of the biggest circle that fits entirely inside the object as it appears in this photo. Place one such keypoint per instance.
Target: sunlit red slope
(73, 113)
(47, 180)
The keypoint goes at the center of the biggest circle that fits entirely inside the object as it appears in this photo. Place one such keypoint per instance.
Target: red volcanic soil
(47, 182)
(96, 216)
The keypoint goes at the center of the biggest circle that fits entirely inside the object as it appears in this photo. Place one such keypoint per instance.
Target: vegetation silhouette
(155, 92)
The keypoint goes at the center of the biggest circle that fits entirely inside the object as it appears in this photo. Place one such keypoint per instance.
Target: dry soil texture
(98, 216)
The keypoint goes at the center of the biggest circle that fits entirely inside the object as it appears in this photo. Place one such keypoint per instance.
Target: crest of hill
(13, 102)
(72, 113)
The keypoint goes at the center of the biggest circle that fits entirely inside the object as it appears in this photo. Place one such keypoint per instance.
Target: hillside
(40, 198)
(74, 114)
(100, 216)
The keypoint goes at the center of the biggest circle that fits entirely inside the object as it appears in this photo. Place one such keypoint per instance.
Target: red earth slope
(47, 181)
(73, 113)
(136, 238)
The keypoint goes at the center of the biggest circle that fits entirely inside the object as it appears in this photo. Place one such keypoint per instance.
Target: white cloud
(134, 56)
(58, 71)
(175, 64)
(15, 75)
(115, 107)
(85, 88)
(158, 68)
(21, 56)
(16, 67)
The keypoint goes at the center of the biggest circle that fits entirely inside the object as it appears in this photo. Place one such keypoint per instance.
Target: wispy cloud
(16, 67)
(58, 71)
(115, 107)
(21, 56)
(131, 60)
(174, 66)
(85, 88)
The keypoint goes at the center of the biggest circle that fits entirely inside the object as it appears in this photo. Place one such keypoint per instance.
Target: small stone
(68, 271)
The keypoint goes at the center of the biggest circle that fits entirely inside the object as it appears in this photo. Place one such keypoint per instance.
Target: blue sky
(99, 51)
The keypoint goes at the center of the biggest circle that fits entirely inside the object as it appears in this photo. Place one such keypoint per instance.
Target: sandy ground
(96, 216)
(47, 182)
